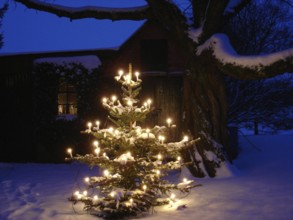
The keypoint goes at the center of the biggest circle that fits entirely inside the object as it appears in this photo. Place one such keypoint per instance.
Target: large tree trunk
(205, 116)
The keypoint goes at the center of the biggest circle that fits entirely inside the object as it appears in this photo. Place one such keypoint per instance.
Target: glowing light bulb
(185, 138)
(120, 73)
(114, 98)
(129, 102)
(69, 151)
(76, 193)
(169, 121)
(98, 125)
(172, 196)
(112, 194)
(178, 158)
(105, 155)
(158, 172)
(96, 143)
(184, 180)
(148, 132)
(137, 75)
(104, 100)
(159, 157)
(144, 187)
(110, 129)
(124, 159)
(138, 130)
(87, 179)
(106, 173)
(131, 201)
(161, 139)
(89, 124)
(84, 193)
(96, 198)
(97, 151)
(149, 102)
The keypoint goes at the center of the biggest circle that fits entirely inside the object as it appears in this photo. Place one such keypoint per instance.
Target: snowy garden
(123, 176)
(136, 171)
(257, 186)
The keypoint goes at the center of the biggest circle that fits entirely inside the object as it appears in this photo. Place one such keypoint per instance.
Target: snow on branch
(246, 67)
(131, 13)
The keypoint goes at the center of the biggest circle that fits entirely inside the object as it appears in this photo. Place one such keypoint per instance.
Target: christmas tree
(135, 159)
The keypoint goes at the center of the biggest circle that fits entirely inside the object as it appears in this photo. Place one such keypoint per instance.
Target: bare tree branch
(133, 13)
(231, 13)
(199, 8)
(213, 17)
(288, 2)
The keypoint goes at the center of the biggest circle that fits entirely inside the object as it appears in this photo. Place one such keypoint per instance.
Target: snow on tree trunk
(205, 116)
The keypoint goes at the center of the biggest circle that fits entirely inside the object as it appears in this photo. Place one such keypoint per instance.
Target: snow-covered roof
(89, 61)
(116, 48)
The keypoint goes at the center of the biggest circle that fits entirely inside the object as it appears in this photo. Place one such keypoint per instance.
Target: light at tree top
(135, 159)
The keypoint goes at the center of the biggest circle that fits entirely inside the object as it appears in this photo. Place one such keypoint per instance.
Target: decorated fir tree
(135, 159)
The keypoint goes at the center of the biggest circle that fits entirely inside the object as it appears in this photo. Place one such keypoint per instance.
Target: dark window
(154, 55)
(67, 99)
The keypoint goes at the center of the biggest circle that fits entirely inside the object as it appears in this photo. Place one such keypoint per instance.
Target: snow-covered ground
(260, 188)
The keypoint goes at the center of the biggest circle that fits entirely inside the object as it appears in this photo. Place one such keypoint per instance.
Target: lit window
(67, 99)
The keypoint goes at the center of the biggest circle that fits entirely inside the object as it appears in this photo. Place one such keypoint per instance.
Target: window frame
(67, 99)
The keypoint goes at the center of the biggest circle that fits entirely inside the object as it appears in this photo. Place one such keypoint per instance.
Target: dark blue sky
(27, 30)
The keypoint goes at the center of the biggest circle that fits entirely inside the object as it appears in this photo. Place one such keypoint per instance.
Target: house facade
(46, 102)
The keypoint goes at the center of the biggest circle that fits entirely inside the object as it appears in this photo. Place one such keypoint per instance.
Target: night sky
(27, 30)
